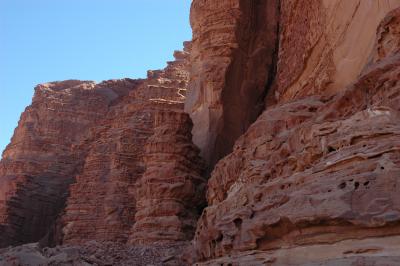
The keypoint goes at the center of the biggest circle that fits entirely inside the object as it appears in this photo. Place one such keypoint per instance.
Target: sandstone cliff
(320, 171)
(104, 194)
(302, 97)
(40, 162)
(232, 62)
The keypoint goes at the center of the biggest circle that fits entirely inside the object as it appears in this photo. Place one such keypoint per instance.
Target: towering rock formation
(318, 172)
(41, 161)
(111, 193)
(172, 185)
(232, 62)
(313, 181)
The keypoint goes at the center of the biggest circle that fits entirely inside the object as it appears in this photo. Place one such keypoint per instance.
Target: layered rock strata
(318, 171)
(110, 192)
(232, 61)
(313, 181)
(40, 162)
(172, 185)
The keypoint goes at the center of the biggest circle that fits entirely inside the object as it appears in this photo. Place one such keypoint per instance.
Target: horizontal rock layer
(74, 167)
(318, 170)
(123, 184)
(313, 181)
(172, 186)
(41, 160)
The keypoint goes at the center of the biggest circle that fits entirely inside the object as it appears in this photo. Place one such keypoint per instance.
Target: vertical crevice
(251, 74)
(268, 96)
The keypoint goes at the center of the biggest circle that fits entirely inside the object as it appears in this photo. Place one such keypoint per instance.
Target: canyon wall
(325, 44)
(40, 162)
(316, 173)
(172, 185)
(73, 171)
(121, 187)
(232, 62)
(294, 106)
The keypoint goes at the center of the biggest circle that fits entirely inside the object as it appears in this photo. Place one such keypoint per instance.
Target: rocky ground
(93, 253)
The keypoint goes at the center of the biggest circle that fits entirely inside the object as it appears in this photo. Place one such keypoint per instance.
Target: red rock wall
(317, 176)
(110, 193)
(232, 61)
(172, 189)
(324, 45)
(41, 160)
(313, 181)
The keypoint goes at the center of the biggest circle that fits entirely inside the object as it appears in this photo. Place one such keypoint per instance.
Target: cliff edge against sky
(272, 139)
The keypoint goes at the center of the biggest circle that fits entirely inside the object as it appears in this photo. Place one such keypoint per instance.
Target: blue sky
(48, 40)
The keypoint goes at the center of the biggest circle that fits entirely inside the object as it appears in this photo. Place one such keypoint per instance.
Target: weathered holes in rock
(238, 223)
(312, 109)
(284, 186)
(331, 149)
(258, 197)
(252, 214)
(382, 168)
(355, 183)
(219, 238)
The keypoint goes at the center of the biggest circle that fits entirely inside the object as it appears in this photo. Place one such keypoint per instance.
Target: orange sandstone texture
(231, 64)
(172, 185)
(309, 92)
(313, 175)
(325, 44)
(40, 162)
(133, 176)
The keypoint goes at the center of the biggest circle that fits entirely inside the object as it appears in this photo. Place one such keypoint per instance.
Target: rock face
(324, 45)
(123, 184)
(232, 61)
(85, 144)
(41, 161)
(309, 92)
(315, 171)
(171, 185)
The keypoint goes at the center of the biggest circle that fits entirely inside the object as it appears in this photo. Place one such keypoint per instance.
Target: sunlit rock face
(141, 178)
(41, 161)
(315, 173)
(294, 107)
(73, 170)
(232, 62)
(324, 45)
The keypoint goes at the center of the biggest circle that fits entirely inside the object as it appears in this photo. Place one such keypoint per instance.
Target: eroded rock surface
(171, 191)
(232, 61)
(324, 45)
(41, 161)
(313, 181)
(123, 184)
(318, 170)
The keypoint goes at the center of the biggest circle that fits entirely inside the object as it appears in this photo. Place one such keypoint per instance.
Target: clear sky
(49, 40)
